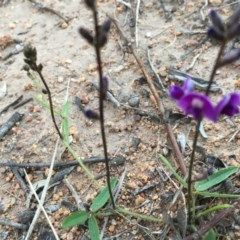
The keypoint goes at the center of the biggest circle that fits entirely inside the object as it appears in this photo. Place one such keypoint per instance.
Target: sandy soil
(69, 61)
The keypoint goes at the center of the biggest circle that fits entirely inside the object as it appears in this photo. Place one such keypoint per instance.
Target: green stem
(219, 195)
(213, 209)
(138, 215)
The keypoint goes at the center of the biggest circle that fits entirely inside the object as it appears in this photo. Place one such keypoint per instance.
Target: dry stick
(42, 7)
(91, 160)
(155, 71)
(41, 206)
(159, 104)
(11, 104)
(79, 202)
(44, 192)
(7, 126)
(136, 22)
(13, 224)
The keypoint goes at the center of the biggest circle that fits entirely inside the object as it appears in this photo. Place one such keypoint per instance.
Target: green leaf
(169, 166)
(102, 197)
(93, 228)
(75, 218)
(210, 235)
(215, 178)
(65, 122)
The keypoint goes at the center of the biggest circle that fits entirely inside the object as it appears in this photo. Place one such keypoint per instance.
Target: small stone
(11, 25)
(19, 145)
(60, 79)
(139, 200)
(155, 197)
(63, 25)
(73, 130)
(132, 185)
(162, 71)
(134, 101)
(47, 172)
(84, 98)
(111, 228)
(28, 119)
(27, 86)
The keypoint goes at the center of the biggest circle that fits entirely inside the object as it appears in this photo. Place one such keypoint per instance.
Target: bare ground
(68, 59)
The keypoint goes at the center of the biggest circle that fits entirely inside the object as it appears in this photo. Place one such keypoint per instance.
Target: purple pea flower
(198, 105)
(229, 105)
(177, 92)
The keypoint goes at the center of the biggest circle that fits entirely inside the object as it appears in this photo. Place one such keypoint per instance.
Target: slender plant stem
(213, 73)
(189, 199)
(50, 102)
(101, 110)
(215, 67)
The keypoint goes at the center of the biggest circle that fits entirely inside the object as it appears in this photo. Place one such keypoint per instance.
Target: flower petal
(198, 105)
(188, 85)
(229, 105)
(176, 92)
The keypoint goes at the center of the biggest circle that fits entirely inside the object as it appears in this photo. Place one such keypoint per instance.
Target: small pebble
(139, 200)
(134, 101)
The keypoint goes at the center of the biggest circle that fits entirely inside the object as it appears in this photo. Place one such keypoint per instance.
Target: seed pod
(213, 33)
(87, 35)
(90, 3)
(91, 114)
(217, 21)
(230, 57)
(106, 26)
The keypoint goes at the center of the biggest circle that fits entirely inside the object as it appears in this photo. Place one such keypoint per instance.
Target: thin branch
(136, 22)
(41, 206)
(44, 192)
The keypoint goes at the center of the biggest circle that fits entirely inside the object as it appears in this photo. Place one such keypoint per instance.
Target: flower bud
(213, 33)
(91, 114)
(106, 26)
(87, 35)
(230, 57)
(90, 3)
(217, 21)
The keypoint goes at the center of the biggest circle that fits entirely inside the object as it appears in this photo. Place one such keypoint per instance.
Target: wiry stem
(189, 199)
(50, 101)
(213, 73)
(101, 110)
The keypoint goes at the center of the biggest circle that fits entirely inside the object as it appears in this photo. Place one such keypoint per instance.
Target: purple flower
(177, 92)
(229, 105)
(198, 105)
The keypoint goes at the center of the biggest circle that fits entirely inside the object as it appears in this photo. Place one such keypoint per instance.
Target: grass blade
(102, 197)
(169, 166)
(93, 228)
(65, 122)
(75, 218)
(215, 178)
